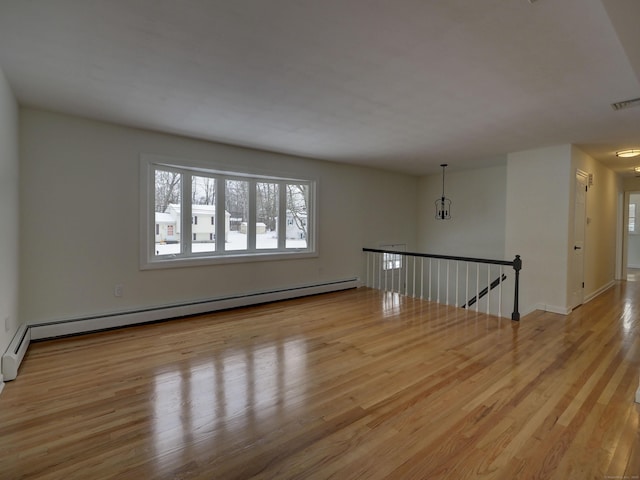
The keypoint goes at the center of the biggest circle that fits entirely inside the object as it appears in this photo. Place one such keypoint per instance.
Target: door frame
(577, 298)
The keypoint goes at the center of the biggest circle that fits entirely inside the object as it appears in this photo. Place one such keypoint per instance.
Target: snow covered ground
(236, 241)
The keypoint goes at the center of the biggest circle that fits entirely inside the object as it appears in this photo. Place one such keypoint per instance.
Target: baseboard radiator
(74, 326)
(15, 353)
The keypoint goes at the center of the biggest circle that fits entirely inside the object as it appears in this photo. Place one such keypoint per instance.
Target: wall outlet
(118, 290)
(7, 324)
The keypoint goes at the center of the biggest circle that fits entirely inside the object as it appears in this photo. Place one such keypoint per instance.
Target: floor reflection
(633, 274)
(390, 304)
(232, 389)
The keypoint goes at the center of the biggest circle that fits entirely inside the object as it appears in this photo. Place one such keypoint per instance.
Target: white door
(579, 221)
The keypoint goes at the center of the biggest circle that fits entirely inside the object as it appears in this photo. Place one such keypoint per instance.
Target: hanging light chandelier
(443, 204)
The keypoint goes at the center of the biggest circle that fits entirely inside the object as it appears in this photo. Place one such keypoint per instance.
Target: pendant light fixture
(443, 204)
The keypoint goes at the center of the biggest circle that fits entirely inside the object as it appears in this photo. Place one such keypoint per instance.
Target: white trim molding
(602, 289)
(75, 326)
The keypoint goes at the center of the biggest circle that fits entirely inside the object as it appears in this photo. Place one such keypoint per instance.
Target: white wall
(9, 219)
(477, 224)
(80, 215)
(537, 225)
(602, 226)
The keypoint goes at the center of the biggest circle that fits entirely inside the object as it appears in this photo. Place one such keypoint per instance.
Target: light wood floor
(357, 384)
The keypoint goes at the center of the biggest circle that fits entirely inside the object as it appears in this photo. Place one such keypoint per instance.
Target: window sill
(224, 259)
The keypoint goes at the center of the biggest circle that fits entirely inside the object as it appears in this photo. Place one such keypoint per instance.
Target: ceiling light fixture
(633, 152)
(443, 204)
(637, 169)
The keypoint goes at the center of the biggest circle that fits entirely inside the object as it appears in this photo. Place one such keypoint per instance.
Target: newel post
(517, 266)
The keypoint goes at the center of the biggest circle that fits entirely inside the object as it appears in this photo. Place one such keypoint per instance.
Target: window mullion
(282, 215)
(185, 207)
(221, 214)
(251, 226)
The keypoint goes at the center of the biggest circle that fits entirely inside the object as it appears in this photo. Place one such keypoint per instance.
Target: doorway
(633, 237)
(579, 222)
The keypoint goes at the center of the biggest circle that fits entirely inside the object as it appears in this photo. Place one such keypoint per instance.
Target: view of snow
(236, 241)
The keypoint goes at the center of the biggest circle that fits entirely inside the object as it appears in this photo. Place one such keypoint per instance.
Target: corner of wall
(9, 213)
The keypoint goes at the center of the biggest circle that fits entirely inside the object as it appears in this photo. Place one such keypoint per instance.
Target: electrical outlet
(7, 324)
(118, 290)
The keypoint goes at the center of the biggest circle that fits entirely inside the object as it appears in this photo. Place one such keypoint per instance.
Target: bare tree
(203, 190)
(297, 204)
(237, 201)
(167, 189)
(267, 204)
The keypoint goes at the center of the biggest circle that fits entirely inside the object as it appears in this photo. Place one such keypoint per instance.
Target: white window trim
(149, 261)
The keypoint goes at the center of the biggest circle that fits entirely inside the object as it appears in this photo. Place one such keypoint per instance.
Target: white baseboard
(554, 309)
(73, 326)
(602, 289)
(15, 353)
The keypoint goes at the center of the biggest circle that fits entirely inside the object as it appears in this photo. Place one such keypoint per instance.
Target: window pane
(237, 204)
(391, 261)
(266, 215)
(168, 189)
(203, 210)
(297, 215)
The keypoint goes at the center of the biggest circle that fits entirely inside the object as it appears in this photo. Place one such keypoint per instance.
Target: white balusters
(477, 286)
(422, 278)
(447, 300)
(466, 294)
(500, 292)
(414, 277)
(457, 280)
(429, 280)
(488, 288)
(399, 266)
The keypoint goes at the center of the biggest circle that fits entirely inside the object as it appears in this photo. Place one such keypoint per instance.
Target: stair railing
(444, 278)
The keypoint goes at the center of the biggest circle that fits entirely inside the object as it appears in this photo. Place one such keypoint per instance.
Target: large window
(195, 215)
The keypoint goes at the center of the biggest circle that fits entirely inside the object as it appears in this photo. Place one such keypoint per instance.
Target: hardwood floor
(357, 384)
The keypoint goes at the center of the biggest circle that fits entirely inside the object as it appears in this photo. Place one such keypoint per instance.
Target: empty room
(319, 239)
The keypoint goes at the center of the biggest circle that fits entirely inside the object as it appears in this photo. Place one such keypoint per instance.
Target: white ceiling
(403, 84)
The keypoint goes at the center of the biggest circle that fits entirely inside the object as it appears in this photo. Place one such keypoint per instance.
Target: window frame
(148, 260)
(635, 230)
(393, 261)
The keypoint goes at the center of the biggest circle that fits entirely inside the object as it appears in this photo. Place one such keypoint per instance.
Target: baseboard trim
(74, 326)
(554, 309)
(602, 289)
(15, 353)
